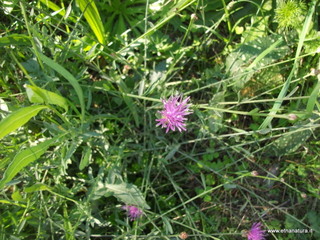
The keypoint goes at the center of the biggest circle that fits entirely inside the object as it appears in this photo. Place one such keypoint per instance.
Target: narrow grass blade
(39, 95)
(264, 53)
(4, 162)
(313, 96)
(123, 88)
(71, 79)
(15, 39)
(18, 118)
(12, 203)
(23, 158)
(286, 85)
(91, 14)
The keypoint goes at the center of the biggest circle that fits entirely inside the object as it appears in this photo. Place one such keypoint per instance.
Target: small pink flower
(292, 117)
(132, 212)
(256, 233)
(174, 110)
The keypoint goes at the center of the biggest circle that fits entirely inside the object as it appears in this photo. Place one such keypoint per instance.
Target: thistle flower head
(290, 13)
(173, 114)
(256, 233)
(132, 212)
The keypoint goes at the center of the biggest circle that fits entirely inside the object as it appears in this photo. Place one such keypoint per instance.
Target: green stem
(22, 68)
(29, 32)
(241, 112)
(142, 97)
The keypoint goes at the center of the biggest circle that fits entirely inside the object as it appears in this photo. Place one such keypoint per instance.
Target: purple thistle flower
(132, 212)
(174, 110)
(256, 233)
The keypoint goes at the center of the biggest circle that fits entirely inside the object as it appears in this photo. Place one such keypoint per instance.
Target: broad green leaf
(39, 95)
(67, 75)
(16, 196)
(259, 53)
(15, 39)
(91, 14)
(128, 193)
(87, 153)
(18, 118)
(291, 141)
(23, 158)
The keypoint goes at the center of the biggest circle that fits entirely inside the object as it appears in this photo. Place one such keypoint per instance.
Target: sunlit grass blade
(91, 14)
(286, 85)
(18, 119)
(56, 8)
(263, 54)
(15, 39)
(71, 79)
(23, 158)
(53, 6)
(13, 203)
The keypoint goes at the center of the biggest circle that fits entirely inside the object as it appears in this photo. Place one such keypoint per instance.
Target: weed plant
(84, 81)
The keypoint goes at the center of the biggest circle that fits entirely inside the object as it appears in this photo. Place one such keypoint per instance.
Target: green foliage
(254, 56)
(289, 142)
(15, 39)
(71, 79)
(314, 218)
(18, 118)
(302, 36)
(85, 160)
(99, 70)
(290, 13)
(91, 14)
(23, 158)
(121, 16)
(127, 193)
